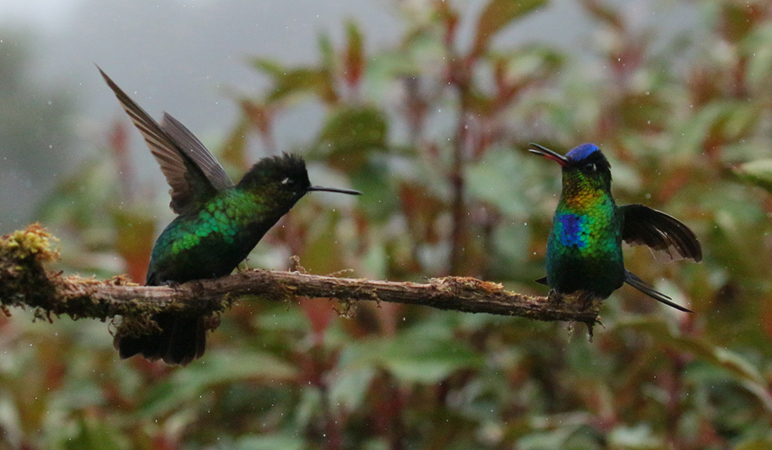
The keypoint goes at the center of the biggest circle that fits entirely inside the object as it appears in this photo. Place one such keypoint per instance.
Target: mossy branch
(25, 282)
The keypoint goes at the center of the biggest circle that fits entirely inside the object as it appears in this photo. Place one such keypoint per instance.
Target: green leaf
(747, 375)
(269, 67)
(740, 120)
(423, 354)
(322, 252)
(375, 178)
(349, 389)
(327, 51)
(215, 369)
(383, 71)
(495, 174)
(637, 437)
(755, 444)
(736, 21)
(288, 83)
(134, 231)
(497, 15)
(270, 442)
(532, 63)
(759, 52)
(692, 133)
(94, 434)
(557, 438)
(350, 134)
(234, 151)
(757, 172)
(299, 81)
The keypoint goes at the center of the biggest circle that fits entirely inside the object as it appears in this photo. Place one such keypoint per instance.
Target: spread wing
(197, 152)
(190, 169)
(659, 231)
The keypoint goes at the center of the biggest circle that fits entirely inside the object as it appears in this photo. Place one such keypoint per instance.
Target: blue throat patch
(572, 230)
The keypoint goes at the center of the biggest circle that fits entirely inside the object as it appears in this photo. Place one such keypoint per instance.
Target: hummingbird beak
(549, 154)
(328, 189)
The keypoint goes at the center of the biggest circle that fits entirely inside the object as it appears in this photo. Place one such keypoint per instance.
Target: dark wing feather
(188, 181)
(197, 152)
(659, 231)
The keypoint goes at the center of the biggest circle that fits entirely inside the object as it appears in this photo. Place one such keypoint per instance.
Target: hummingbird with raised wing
(218, 224)
(584, 248)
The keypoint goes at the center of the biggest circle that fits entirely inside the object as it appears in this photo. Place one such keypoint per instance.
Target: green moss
(23, 280)
(34, 242)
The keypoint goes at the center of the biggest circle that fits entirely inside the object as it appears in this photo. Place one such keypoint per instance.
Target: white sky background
(46, 14)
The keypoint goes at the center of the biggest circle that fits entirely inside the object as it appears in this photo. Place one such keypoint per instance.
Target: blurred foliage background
(435, 134)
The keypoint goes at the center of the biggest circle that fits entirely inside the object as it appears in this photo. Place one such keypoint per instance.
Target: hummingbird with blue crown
(218, 224)
(584, 248)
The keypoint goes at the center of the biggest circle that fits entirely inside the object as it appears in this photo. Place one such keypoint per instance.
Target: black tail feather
(180, 340)
(646, 288)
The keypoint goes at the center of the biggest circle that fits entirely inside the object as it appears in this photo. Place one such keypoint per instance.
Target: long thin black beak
(549, 154)
(339, 191)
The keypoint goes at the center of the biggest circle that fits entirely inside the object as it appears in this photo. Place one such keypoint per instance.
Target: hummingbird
(584, 248)
(217, 224)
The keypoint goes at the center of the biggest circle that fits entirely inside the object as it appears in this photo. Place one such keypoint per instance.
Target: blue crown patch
(581, 152)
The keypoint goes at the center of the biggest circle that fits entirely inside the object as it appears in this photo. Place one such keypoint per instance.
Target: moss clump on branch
(23, 280)
(34, 242)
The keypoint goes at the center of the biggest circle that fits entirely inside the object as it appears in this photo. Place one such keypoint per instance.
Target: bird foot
(585, 301)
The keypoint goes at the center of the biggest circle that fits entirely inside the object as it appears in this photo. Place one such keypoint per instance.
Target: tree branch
(24, 282)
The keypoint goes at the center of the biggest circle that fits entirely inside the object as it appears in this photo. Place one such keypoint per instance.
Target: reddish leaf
(319, 313)
(234, 149)
(134, 240)
(497, 15)
(354, 61)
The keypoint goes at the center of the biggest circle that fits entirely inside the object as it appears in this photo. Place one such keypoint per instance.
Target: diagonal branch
(24, 282)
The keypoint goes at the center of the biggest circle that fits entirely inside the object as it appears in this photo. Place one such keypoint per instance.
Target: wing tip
(660, 232)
